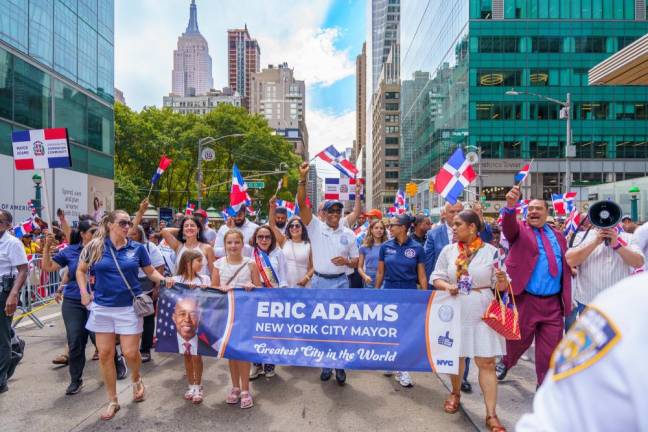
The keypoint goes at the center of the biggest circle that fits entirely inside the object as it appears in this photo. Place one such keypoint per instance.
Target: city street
(294, 400)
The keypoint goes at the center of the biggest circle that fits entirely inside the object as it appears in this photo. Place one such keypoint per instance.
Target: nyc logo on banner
(408, 330)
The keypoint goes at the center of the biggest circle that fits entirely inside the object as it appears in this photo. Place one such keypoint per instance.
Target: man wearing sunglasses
(334, 247)
(13, 273)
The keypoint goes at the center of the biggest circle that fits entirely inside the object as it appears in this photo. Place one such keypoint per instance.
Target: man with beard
(335, 249)
(281, 217)
(241, 223)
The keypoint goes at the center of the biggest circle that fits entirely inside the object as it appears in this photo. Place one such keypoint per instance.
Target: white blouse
(480, 269)
(297, 260)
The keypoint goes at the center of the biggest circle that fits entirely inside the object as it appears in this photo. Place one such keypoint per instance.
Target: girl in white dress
(466, 269)
(190, 237)
(236, 271)
(188, 273)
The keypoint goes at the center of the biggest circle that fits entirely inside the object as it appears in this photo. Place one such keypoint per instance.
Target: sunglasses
(264, 237)
(125, 223)
(393, 225)
(92, 231)
(334, 211)
(291, 226)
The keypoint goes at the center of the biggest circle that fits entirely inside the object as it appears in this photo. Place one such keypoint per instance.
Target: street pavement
(294, 400)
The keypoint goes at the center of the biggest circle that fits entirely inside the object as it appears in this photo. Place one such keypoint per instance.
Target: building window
(391, 174)
(546, 149)
(591, 149)
(590, 44)
(499, 111)
(392, 129)
(632, 149)
(40, 30)
(624, 41)
(391, 140)
(499, 77)
(391, 107)
(65, 41)
(545, 111)
(391, 152)
(543, 44)
(14, 24)
(31, 95)
(591, 110)
(392, 95)
(498, 44)
(631, 111)
(87, 55)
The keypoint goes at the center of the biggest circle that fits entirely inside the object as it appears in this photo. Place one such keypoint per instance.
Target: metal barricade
(38, 291)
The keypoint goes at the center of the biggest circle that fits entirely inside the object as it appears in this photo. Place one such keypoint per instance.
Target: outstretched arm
(304, 211)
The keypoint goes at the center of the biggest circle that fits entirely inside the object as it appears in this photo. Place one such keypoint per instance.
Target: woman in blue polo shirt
(401, 265)
(111, 303)
(75, 315)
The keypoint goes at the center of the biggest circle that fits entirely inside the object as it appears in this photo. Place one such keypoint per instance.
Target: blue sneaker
(340, 376)
(326, 374)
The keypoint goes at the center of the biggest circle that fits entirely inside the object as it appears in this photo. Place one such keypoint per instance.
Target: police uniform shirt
(328, 243)
(12, 254)
(598, 378)
(401, 263)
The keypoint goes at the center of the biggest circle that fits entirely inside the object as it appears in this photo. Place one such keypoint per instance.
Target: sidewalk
(514, 394)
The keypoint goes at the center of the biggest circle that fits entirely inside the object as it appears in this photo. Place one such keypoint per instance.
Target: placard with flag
(563, 203)
(338, 161)
(239, 196)
(162, 166)
(454, 176)
(41, 149)
(341, 189)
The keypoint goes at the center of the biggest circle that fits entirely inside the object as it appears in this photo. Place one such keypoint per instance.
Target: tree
(141, 138)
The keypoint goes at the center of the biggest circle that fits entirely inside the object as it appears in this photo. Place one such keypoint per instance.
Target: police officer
(598, 376)
(401, 264)
(13, 273)
(335, 252)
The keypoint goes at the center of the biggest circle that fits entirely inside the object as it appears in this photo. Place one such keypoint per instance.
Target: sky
(320, 39)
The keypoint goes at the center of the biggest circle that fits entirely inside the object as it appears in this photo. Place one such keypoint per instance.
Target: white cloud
(325, 129)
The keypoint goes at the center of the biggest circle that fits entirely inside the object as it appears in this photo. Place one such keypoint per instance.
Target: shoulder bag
(143, 303)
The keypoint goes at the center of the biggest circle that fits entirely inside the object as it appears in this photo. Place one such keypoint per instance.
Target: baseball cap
(332, 203)
(626, 217)
(201, 212)
(374, 213)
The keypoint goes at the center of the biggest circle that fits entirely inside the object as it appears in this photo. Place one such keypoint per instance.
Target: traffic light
(284, 182)
(203, 188)
(432, 186)
(411, 189)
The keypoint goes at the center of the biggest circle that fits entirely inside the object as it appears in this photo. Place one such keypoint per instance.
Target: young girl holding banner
(271, 262)
(189, 273)
(235, 270)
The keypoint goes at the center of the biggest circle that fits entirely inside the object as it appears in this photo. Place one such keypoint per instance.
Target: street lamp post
(37, 186)
(565, 113)
(202, 142)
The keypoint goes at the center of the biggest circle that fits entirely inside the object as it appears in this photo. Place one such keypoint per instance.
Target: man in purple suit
(541, 282)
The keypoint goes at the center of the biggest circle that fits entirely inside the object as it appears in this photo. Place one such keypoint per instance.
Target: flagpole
(149, 192)
(47, 210)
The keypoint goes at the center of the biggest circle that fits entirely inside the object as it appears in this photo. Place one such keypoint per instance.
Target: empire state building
(192, 65)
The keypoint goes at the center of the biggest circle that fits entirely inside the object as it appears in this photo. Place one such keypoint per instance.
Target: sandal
(494, 425)
(138, 391)
(189, 394)
(111, 410)
(198, 395)
(246, 400)
(451, 404)
(61, 359)
(95, 356)
(234, 396)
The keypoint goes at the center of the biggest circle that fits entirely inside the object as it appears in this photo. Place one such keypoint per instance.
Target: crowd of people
(105, 264)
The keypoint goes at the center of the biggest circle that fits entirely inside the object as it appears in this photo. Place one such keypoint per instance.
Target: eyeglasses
(334, 211)
(291, 226)
(125, 223)
(264, 237)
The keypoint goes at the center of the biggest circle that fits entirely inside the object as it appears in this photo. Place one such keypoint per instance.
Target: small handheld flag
(289, 206)
(338, 161)
(563, 203)
(454, 176)
(24, 228)
(522, 174)
(238, 193)
(190, 208)
(163, 165)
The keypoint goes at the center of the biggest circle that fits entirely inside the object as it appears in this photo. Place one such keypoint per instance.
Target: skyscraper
(281, 99)
(385, 31)
(359, 150)
(192, 65)
(243, 59)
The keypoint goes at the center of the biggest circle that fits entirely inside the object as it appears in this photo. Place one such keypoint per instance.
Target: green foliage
(141, 138)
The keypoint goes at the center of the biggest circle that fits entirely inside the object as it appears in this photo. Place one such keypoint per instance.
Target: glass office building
(57, 70)
(477, 50)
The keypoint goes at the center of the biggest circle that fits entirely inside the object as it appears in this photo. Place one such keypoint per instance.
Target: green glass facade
(57, 70)
(540, 46)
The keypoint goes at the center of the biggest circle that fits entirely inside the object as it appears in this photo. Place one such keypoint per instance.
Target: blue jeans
(339, 282)
(573, 316)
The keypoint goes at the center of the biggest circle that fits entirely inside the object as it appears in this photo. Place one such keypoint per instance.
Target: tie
(187, 347)
(553, 268)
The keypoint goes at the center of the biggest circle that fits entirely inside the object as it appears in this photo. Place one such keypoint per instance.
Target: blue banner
(373, 329)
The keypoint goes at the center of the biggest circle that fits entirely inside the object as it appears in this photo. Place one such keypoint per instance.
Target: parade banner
(371, 329)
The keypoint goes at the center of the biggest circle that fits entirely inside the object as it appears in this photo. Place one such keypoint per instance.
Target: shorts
(118, 320)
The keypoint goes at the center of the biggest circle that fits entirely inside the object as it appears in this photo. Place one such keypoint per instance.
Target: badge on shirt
(589, 339)
(344, 241)
(410, 253)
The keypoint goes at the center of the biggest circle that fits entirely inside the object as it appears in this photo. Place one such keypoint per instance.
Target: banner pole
(47, 210)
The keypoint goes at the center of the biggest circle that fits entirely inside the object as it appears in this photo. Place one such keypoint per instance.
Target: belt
(330, 276)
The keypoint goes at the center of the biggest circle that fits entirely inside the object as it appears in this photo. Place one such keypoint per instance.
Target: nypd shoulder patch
(589, 340)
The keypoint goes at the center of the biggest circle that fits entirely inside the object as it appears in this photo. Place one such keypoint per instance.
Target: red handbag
(503, 317)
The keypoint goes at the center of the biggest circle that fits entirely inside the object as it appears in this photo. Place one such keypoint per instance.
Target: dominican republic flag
(32, 208)
(563, 203)
(341, 189)
(523, 208)
(522, 174)
(619, 230)
(164, 164)
(454, 176)
(572, 222)
(24, 228)
(190, 208)
(289, 206)
(238, 193)
(337, 160)
(361, 233)
(41, 148)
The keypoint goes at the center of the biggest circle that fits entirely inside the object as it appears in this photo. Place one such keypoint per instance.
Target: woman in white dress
(466, 269)
(234, 271)
(190, 237)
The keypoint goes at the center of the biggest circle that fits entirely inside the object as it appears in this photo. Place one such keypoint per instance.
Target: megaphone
(604, 214)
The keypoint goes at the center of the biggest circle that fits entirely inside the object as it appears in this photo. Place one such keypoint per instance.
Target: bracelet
(302, 181)
(618, 246)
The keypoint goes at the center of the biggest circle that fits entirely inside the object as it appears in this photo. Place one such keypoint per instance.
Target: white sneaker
(397, 376)
(256, 372)
(406, 380)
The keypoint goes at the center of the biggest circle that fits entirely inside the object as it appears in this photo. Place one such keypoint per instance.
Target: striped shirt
(602, 269)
